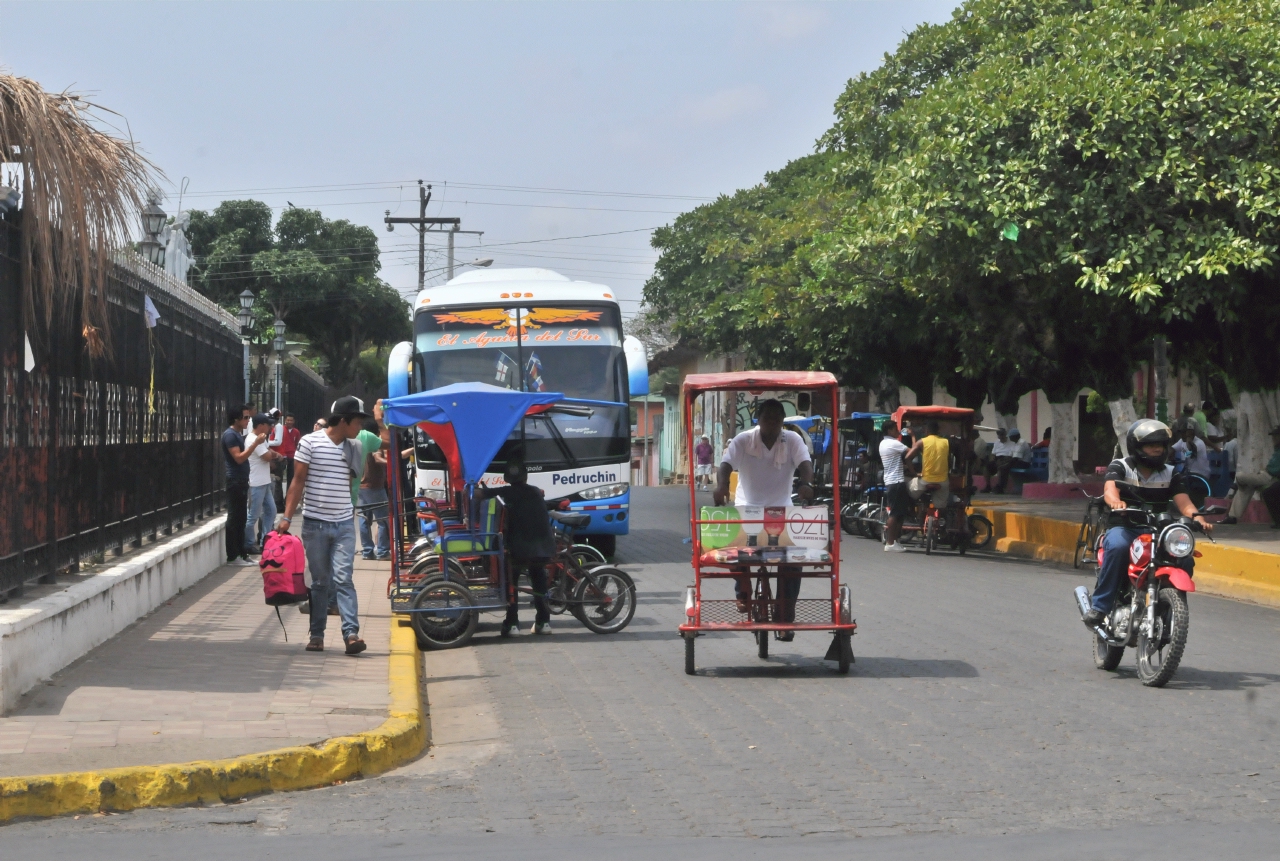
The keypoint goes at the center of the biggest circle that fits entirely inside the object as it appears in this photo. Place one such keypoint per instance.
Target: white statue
(177, 248)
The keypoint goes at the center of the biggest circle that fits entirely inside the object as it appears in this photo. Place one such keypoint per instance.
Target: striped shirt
(327, 492)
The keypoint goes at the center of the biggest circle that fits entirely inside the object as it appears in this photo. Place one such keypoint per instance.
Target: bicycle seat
(572, 519)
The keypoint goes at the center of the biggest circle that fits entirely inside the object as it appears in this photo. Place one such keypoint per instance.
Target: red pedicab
(799, 538)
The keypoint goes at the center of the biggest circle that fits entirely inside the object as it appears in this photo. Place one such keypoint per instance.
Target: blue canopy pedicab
(462, 568)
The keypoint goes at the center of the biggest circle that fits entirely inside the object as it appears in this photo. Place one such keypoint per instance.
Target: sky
(564, 131)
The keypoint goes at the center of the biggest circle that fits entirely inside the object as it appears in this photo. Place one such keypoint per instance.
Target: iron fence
(97, 454)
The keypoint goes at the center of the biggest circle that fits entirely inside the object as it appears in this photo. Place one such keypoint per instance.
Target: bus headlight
(604, 492)
(1178, 541)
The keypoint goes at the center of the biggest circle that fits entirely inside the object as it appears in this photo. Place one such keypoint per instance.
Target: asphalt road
(972, 725)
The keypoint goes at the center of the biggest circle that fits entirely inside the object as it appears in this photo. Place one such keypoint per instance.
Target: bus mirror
(399, 369)
(637, 366)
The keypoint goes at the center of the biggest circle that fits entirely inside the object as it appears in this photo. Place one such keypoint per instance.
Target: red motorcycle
(1150, 612)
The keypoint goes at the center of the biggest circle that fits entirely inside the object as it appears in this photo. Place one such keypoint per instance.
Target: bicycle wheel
(442, 616)
(588, 557)
(606, 600)
(1084, 541)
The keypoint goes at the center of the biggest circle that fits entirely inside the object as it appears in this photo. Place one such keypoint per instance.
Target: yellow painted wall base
(402, 737)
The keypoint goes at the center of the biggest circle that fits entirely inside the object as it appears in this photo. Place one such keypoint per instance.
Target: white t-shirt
(1022, 450)
(764, 474)
(259, 465)
(327, 493)
(1006, 448)
(891, 452)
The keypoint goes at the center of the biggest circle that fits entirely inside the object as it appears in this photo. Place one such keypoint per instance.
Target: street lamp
(245, 319)
(153, 221)
(481, 262)
(280, 346)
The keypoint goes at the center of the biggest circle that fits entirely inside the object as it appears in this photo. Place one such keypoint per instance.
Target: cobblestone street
(973, 708)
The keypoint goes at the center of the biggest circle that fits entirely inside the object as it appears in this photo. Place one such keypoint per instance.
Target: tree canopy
(1018, 198)
(319, 275)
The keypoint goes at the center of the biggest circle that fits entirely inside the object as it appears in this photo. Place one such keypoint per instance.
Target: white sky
(341, 107)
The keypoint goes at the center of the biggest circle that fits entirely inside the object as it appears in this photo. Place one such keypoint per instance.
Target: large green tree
(319, 275)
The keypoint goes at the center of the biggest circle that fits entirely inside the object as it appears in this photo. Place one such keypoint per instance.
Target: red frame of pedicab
(964, 415)
(756, 382)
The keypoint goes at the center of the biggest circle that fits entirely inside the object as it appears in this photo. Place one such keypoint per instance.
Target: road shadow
(864, 667)
(1192, 679)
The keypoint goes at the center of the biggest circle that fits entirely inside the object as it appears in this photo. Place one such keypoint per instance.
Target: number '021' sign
(807, 527)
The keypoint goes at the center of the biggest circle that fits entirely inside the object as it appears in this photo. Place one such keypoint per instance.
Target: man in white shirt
(766, 458)
(262, 503)
(326, 462)
(1002, 453)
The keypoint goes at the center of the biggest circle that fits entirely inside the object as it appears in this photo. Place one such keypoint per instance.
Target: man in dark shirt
(236, 455)
(1148, 469)
(530, 544)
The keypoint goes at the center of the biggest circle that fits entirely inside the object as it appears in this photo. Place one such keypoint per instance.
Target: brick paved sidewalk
(209, 675)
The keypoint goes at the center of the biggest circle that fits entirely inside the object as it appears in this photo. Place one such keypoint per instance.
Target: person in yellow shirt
(935, 463)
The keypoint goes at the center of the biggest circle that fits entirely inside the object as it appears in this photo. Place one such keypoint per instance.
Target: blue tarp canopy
(469, 421)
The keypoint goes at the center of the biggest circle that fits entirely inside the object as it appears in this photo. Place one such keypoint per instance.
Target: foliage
(316, 274)
(82, 191)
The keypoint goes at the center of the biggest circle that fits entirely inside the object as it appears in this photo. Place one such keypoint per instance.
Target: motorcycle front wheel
(1160, 650)
(980, 531)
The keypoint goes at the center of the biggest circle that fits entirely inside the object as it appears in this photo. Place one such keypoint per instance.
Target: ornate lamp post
(280, 346)
(245, 318)
(153, 220)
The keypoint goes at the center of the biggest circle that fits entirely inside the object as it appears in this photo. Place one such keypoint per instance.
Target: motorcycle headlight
(604, 492)
(1178, 541)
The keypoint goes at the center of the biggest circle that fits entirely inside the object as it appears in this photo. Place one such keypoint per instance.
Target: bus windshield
(574, 349)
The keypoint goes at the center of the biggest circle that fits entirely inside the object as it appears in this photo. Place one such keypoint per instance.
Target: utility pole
(422, 224)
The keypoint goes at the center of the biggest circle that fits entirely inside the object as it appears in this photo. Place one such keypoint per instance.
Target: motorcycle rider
(1147, 466)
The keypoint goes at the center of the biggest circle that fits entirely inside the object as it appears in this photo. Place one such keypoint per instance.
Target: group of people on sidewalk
(328, 472)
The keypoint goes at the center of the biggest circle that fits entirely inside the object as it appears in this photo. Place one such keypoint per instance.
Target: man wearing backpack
(324, 465)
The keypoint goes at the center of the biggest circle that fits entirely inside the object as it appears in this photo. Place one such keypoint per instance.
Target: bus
(535, 330)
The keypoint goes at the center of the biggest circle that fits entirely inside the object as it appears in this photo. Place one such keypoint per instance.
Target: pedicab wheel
(689, 667)
(980, 531)
(606, 600)
(842, 665)
(930, 535)
(762, 645)
(849, 519)
(442, 617)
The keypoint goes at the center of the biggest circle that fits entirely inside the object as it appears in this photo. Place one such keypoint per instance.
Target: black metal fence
(96, 455)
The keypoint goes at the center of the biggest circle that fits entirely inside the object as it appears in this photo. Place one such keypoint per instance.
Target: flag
(150, 312)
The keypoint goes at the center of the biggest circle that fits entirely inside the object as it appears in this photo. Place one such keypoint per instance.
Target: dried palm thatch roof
(82, 191)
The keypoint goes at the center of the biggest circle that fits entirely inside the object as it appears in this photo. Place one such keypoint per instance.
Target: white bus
(535, 330)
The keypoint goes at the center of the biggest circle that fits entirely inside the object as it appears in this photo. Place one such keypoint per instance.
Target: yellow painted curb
(1223, 570)
(399, 739)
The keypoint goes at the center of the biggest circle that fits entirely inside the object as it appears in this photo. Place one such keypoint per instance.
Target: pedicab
(861, 475)
(950, 525)
(727, 543)
(463, 570)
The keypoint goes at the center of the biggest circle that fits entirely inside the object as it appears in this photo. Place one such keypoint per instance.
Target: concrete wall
(39, 638)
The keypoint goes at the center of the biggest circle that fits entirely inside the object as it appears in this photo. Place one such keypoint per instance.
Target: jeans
(538, 580)
(262, 512)
(1115, 566)
(331, 549)
(237, 507)
(369, 496)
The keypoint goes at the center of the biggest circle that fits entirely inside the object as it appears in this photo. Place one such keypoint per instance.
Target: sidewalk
(1243, 564)
(207, 676)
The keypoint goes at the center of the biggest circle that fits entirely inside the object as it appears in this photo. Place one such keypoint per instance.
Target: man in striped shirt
(324, 465)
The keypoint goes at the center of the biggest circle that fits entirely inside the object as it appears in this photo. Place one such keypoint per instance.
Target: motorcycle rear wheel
(1105, 656)
(1160, 651)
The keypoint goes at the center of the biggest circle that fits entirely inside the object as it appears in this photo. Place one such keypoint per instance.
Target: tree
(316, 274)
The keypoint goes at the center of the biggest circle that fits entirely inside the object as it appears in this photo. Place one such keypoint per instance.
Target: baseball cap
(1014, 434)
(259, 419)
(349, 405)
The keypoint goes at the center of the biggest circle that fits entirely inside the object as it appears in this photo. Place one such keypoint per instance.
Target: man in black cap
(529, 541)
(324, 466)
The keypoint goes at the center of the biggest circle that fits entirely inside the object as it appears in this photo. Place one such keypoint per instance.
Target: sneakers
(241, 561)
(1093, 618)
(508, 631)
(383, 557)
(895, 547)
(367, 557)
(542, 629)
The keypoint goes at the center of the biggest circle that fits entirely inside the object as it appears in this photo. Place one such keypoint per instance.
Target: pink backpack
(284, 565)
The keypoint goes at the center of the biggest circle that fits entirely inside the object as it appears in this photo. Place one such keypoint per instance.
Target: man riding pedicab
(766, 459)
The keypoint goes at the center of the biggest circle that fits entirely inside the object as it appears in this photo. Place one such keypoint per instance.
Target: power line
(445, 184)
